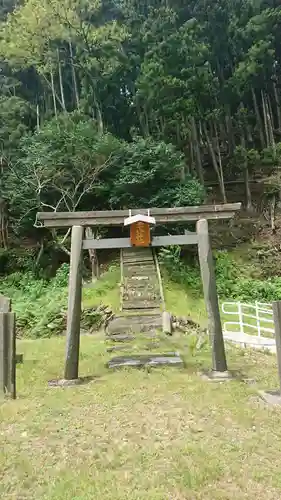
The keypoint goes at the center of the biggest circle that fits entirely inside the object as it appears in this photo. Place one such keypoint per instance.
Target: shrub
(178, 270)
(38, 303)
(231, 284)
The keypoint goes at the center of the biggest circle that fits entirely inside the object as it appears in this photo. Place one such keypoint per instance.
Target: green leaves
(148, 173)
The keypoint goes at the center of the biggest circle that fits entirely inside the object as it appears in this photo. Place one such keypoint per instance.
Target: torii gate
(79, 220)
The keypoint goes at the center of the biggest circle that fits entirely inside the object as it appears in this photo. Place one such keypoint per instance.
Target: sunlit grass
(138, 434)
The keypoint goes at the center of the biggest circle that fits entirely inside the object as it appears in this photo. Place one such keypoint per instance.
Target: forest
(120, 104)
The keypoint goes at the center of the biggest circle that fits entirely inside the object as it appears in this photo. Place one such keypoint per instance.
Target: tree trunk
(230, 133)
(270, 113)
(220, 165)
(214, 161)
(248, 194)
(53, 92)
(270, 124)
(265, 120)
(191, 153)
(272, 213)
(40, 253)
(37, 118)
(93, 256)
(258, 118)
(277, 103)
(197, 153)
(3, 224)
(73, 76)
(98, 115)
(61, 82)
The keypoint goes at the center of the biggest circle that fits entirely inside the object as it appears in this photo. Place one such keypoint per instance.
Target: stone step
(149, 346)
(140, 280)
(141, 295)
(137, 251)
(138, 266)
(122, 338)
(171, 359)
(124, 347)
(147, 313)
(138, 317)
(148, 289)
(148, 284)
(132, 259)
(135, 273)
(134, 324)
(141, 304)
(144, 312)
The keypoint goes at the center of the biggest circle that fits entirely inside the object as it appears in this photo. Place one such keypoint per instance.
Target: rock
(172, 359)
(166, 323)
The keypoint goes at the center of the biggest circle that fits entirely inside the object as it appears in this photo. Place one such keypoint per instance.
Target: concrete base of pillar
(70, 383)
(214, 376)
(271, 398)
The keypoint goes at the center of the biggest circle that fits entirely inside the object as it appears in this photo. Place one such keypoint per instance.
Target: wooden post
(211, 298)
(5, 304)
(74, 305)
(276, 306)
(8, 354)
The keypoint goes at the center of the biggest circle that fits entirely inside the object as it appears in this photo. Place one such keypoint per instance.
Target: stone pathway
(140, 323)
(141, 287)
(140, 297)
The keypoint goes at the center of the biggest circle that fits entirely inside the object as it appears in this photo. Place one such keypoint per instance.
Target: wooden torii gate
(198, 214)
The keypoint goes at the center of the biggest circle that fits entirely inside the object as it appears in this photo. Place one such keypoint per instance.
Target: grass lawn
(162, 434)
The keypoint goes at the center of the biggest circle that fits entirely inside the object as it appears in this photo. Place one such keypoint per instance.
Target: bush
(39, 304)
(16, 259)
(146, 173)
(230, 282)
(251, 290)
(178, 270)
(226, 274)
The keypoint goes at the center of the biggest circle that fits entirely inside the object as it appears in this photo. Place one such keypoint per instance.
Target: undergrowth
(38, 303)
(41, 304)
(233, 281)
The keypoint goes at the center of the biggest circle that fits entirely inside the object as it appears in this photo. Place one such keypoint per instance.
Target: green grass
(182, 302)
(105, 290)
(138, 434)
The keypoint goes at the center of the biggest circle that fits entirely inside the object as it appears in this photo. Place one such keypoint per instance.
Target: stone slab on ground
(143, 295)
(215, 376)
(271, 398)
(119, 337)
(143, 335)
(114, 348)
(141, 304)
(137, 258)
(134, 324)
(73, 382)
(147, 285)
(141, 272)
(141, 360)
(150, 346)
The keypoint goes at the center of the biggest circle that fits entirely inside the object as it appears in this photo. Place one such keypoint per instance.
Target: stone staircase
(139, 325)
(141, 301)
(140, 281)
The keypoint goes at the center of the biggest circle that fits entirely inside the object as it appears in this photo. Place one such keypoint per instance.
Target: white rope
(130, 212)
(148, 212)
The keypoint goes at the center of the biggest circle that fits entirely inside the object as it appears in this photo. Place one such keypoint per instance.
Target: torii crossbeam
(79, 220)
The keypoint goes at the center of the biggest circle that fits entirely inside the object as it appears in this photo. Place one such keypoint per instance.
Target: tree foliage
(106, 104)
